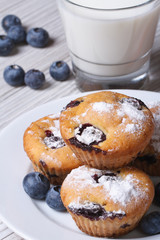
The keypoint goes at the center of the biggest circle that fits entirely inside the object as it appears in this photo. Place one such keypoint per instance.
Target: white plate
(29, 218)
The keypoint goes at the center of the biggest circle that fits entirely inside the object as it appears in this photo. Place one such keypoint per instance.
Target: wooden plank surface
(15, 101)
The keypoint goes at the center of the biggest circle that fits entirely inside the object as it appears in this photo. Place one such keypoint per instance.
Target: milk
(107, 42)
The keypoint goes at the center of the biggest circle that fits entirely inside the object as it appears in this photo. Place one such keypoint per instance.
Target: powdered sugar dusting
(54, 141)
(131, 128)
(89, 135)
(132, 112)
(56, 115)
(49, 158)
(90, 205)
(45, 121)
(30, 132)
(102, 107)
(56, 128)
(153, 104)
(136, 116)
(82, 174)
(76, 119)
(120, 190)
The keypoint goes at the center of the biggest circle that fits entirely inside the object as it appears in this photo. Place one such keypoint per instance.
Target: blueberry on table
(17, 34)
(36, 185)
(60, 70)
(53, 199)
(157, 194)
(150, 224)
(6, 45)
(37, 37)
(14, 75)
(34, 79)
(10, 20)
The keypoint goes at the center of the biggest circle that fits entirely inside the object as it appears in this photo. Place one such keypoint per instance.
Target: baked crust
(125, 121)
(121, 212)
(56, 163)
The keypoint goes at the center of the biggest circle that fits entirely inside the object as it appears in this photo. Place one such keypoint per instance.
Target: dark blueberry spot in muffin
(73, 104)
(96, 177)
(88, 130)
(48, 133)
(150, 159)
(114, 215)
(42, 163)
(125, 225)
(94, 212)
(52, 141)
(134, 102)
(87, 135)
(110, 176)
(85, 147)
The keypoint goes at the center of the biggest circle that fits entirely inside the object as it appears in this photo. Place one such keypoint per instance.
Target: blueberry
(36, 185)
(53, 199)
(60, 71)
(157, 194)
(34, 79)
(10, 20)
(14, 75)
(150, 224)
(37, 37)
(6, 45)
(17, 34)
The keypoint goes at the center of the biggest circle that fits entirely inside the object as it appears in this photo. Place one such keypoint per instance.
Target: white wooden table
(15, 101)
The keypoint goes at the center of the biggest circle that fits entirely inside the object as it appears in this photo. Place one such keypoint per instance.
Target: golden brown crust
(73, 191)
(121, 146)
(53, 163)
(149, 159)
(106, 228)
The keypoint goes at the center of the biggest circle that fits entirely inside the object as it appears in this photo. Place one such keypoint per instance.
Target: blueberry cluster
(37, 186)
(15, 76)
(16, 33)
(150, 224)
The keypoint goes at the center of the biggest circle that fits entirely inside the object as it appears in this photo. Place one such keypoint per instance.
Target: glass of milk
(110, 41)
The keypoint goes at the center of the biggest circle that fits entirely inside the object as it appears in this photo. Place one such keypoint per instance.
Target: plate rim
(2, 217)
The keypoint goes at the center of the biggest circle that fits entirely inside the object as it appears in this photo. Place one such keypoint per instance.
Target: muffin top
(44, 144)
(116, 192)
(108, 121)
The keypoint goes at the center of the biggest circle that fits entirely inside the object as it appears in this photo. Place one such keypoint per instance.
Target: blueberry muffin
(47, 150)
(106, 130)
(149, 159)
(107, 203)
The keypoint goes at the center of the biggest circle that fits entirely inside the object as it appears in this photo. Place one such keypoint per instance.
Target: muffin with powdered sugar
(105, 129)
(107, 203)
(47, 151)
